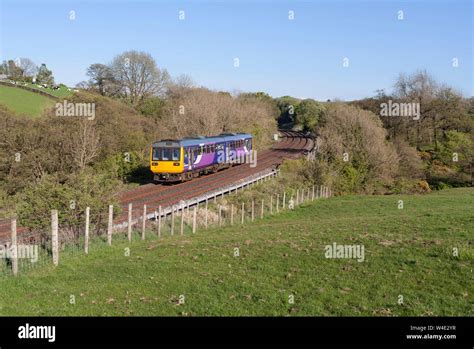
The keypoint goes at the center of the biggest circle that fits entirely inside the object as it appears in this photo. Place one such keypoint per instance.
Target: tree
(308, 112)
(287, 105)
(44, 76)
(138, 75)
(28, 67)
(354, 153)
(102, 78)
(13, 71)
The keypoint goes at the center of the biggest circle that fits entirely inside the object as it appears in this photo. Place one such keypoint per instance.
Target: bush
(85, 189)
(354, 153)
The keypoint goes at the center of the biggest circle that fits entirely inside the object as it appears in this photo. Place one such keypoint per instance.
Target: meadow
(418, 261)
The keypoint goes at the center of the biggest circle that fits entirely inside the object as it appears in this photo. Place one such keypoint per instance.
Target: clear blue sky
(302, 57)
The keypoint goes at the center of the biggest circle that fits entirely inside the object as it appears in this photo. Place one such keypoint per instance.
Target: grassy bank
(408, 253)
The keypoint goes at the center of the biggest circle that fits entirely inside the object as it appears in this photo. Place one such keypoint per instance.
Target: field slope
(24, 102)
(408, 257)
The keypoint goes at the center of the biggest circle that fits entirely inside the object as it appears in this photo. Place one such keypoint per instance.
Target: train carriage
(184, 159)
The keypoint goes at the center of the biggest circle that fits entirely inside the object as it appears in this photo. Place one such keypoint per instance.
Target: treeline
(418, 138)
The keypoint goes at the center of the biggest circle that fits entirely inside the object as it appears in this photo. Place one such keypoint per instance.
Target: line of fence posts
(313, 193)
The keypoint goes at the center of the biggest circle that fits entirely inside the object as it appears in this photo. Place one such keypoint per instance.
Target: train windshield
(166, 154)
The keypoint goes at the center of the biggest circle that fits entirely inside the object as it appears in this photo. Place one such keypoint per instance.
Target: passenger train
(183, 159)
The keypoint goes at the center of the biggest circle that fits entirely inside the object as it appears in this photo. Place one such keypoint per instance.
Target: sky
(302, 56)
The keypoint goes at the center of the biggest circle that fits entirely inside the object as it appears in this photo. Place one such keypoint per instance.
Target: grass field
(24, 102)
(62, 92)
(408, 253)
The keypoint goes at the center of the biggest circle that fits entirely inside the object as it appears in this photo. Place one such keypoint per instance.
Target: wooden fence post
(188, 216)
(278, 203)
(55, 236)
(297, 196)
(284, 199)
(14, 249)
(312, 196)
(172, 220)
(243, 213)
(253, 210)
(110, 225)
(194, 218)
(130, 207)
(231, 214)
(205, 219)
(181, 230)
(220, 215)
(144, 222)
(159, 221)
(86, 238)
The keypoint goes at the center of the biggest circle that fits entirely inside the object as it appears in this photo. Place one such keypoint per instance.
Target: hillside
(408, 252)
(24, 102)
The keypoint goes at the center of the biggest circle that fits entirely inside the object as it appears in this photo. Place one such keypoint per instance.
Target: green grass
(24, 102)
(62, 92)
(408, 252)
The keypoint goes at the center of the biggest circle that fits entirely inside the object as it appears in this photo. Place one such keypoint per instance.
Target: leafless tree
(138, 75)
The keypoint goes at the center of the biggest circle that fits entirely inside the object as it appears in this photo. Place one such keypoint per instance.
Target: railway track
(292, 145)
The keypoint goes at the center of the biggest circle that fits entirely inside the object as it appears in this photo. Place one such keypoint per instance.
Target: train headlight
(175, 163)
(154, 164)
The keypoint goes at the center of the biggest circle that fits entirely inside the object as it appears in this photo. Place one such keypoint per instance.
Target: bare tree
(28, 67)
(84, 145)
(138, 75)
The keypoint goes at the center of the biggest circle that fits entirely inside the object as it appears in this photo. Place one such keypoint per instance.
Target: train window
(175, 154)
(156, 154)
(201, 150)
(166, 154)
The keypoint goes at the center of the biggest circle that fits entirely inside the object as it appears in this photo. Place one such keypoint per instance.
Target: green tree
(308, 113)
(44, 76)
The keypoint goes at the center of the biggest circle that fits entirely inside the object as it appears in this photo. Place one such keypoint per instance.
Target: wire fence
(26, 250)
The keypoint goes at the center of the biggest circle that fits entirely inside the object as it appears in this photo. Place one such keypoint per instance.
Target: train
(179, 160)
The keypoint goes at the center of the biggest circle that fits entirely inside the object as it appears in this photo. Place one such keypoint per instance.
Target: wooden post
(130, 222)
(271, 204)
(205, 219)
(243, 213)
(278, 203)
(172, 220)
(297, 196)
(86, 238)
(312, 196)
(284, 199)
(144, 222)
(220, 215)
(14, 249)
(194, 218)
(231, 214)
(307, 197)
(181, 230)
(110, 225)
(188, 216)
(261, 211)
(320, 191)
(253, 208)
(159, 221)
(55, 236)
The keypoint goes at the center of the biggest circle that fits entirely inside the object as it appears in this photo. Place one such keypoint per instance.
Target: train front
(166, 161)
